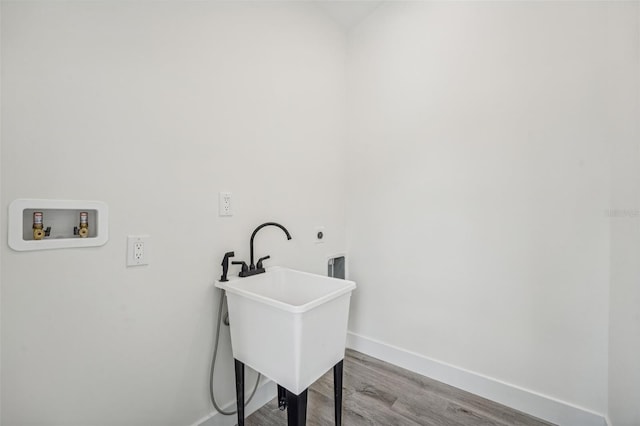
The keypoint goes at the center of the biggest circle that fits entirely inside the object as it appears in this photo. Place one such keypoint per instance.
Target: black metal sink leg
(282, 398)
(296, 408)
(337, 392)
(240, 391)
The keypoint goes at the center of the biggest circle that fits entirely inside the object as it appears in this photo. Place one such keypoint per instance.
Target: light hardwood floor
(381, 394)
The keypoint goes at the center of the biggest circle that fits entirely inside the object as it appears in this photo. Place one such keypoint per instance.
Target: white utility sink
(289, 325)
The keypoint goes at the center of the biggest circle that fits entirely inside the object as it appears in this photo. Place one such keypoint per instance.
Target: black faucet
(252, 269)
(255, 231)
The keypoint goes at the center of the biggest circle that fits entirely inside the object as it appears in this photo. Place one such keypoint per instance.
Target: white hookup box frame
(62, 216)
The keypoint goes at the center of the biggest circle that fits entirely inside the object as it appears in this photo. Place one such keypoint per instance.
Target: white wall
(154, 108)
(624, 338)
(479, 184)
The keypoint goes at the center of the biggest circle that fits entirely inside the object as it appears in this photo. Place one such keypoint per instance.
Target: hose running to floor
(213, 366)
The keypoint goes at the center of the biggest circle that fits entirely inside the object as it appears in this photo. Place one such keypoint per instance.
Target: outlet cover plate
(225, 207)
(137, 250)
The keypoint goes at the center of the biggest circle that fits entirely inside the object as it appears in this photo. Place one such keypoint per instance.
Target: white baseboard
(527, 401)
(266, 392)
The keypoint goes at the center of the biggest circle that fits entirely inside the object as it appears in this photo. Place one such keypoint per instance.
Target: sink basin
(289, 325)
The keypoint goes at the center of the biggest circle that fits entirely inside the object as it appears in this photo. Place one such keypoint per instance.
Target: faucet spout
(252, 265)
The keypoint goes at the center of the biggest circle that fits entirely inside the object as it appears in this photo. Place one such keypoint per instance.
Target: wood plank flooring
(376, 393)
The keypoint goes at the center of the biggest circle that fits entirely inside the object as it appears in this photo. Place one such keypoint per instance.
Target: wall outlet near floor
(224, 204)
(137, 250)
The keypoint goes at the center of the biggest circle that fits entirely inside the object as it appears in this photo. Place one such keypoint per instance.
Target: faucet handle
(245, 268)
(259, 265)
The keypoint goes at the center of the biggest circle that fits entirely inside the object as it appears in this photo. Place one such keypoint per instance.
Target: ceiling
(348, 13)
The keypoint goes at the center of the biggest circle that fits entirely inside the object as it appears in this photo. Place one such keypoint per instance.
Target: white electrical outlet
(137, 250)
(224, 204)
